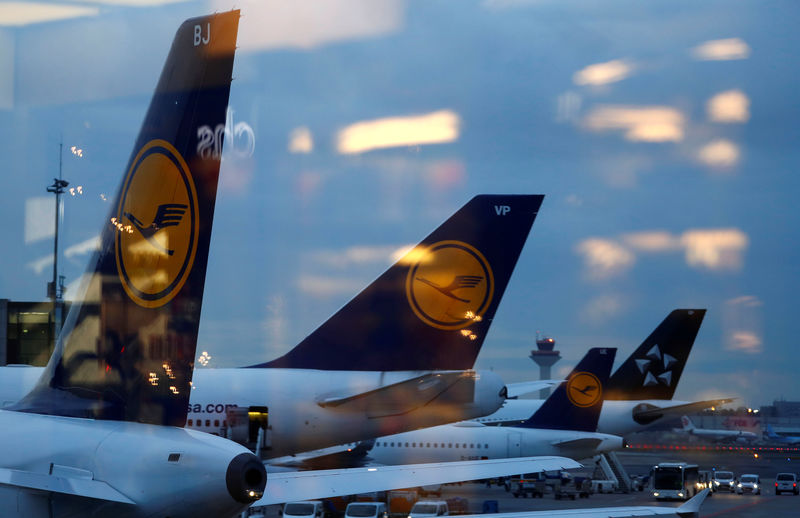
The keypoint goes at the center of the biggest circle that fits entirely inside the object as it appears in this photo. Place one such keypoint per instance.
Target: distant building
(781, 408)
(26, 332)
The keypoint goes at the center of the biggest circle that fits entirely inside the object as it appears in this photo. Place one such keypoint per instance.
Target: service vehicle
(786, 483)
(307, 509)
(428, 508)
(366, 510)
(675, 480)
(749, 483)
(723, 481)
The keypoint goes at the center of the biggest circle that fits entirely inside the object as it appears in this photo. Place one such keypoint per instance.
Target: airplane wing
(526, 387)
(689, 509)
(305, 485)
(75, 485)
(687, 408)
(403, 397)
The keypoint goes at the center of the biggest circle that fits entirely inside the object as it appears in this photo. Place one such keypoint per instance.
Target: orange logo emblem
(584, 389)
(157, 225)
(449, 284)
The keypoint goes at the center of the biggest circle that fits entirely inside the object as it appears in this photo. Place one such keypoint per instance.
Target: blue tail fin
(433, 308)
(576, 403)
(654, 369)
(127, 349)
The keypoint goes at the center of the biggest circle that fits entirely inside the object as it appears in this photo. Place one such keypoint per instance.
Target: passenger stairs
(612, 469)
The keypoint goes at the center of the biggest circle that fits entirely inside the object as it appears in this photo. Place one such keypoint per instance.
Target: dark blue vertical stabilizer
(576, 403)
(654, 369)
(433, 308)
(127, 348)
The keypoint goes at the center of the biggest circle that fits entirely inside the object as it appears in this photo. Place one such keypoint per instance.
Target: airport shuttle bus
(674, 480)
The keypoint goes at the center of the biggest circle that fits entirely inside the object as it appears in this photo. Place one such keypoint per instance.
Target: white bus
(674, 480)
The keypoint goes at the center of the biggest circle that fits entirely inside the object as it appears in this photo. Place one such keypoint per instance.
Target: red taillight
(776, 484)
(794, 485)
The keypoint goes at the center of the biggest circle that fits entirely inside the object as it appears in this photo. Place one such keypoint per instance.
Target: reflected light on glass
(731, 106)
(720, 154)
(18, 14)
(640, 123)
(603, 73)
(721, 50)
(433, 128)
(715, 249)
(301, 141)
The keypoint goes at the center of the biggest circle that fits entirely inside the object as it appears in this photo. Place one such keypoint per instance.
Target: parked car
(786, 483)
(749, 483)
(366, 510)
(429, 508)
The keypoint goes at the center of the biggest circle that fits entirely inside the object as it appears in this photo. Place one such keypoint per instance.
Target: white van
(366, 510)
(307, 509)
(428, 509)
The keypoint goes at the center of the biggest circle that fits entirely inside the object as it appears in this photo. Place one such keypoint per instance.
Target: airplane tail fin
(576, 403)
(686, 424)
(127, 349)
(433, 308)
(654, 369)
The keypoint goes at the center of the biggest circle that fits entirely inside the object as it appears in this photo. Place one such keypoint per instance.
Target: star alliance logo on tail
(653, 362)
(584, 389)
(449, 285)
(154, 259)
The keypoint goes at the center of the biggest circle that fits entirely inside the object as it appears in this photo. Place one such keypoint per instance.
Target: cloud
(38, 265)
(602, 308)
(359, 255)
(306, 24)
(731, 106)
(604, 258)
(323, 287)
(84, 247)
(721, 50)
(710, 249)
(719, 154)
(603, 73)
(438, 127)
(639, 123)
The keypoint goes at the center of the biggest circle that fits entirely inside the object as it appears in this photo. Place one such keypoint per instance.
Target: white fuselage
(616, 417)
(297, 420)
(473, 441)
(133, 459)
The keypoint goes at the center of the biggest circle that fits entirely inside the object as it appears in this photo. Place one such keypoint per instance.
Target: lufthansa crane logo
(584, 389)
(157, 225)
(449, 285)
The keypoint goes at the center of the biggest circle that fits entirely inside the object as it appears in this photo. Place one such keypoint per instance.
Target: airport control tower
(545, 357)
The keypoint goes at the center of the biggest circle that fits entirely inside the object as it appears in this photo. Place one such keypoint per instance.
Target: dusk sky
(663, 134)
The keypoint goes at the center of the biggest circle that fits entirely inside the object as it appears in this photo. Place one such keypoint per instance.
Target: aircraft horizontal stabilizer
(406, 396)
(526, 387)
(75, 486)
(304, 485)
(678, 410)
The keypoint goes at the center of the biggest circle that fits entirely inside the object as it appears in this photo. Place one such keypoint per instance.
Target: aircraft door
(514, 444)
(249, 426)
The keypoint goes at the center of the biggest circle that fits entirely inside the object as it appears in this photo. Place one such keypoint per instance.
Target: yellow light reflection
(731, 106)
(721, 50)
(433, 128)
(603, 73)
(640, 123)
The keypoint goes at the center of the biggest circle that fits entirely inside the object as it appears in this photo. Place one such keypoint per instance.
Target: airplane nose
(246, 478)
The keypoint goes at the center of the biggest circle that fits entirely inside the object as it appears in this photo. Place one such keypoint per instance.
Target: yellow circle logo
(157, 224)
(584, 389)
(449, 284)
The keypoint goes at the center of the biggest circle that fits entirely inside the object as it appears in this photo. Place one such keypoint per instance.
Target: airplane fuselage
(109, 462)
(473, 441)
(301, 417)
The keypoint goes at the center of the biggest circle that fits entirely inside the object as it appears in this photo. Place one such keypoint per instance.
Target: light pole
(55, 288)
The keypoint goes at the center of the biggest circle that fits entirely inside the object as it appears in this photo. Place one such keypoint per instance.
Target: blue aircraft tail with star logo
(654, 369)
